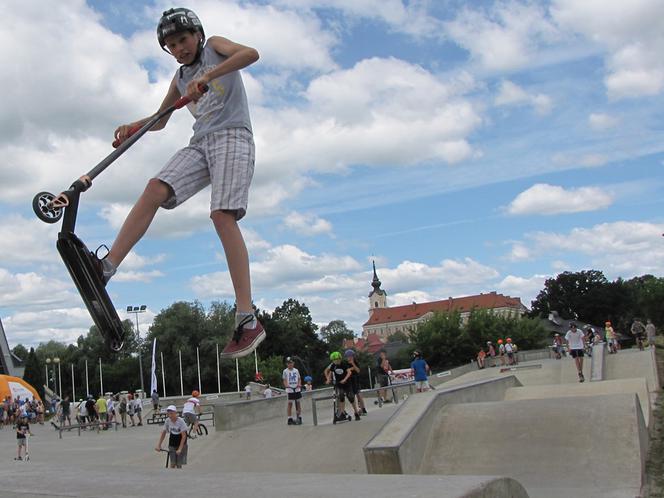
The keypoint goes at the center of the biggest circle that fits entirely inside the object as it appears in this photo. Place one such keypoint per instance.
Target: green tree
(648, 292)
(442, 340)
(20, 352)
(572, 294)
(334, 334)
(34, 373)
(291, 331)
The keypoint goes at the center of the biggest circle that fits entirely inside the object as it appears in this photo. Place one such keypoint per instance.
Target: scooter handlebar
(179, 104)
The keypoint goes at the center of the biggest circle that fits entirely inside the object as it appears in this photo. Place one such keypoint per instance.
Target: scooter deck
(79, 261)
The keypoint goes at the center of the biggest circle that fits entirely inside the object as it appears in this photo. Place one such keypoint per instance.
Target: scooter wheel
(46, 213)
(116, 345)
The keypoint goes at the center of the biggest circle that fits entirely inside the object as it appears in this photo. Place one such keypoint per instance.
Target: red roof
(372, 343)
(462, 304)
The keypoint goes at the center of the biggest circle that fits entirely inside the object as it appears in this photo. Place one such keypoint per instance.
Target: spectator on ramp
(293, 385)
(421, 371)
(651, 332)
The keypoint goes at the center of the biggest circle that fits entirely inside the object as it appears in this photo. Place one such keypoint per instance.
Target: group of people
(643, 334)
(506, 354)
(105, 409)
(13, 409)
(579, 342)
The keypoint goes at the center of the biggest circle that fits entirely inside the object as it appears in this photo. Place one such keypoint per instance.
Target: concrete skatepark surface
(519, 437)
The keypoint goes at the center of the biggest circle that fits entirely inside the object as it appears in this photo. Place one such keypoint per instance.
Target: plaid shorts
(223, 159)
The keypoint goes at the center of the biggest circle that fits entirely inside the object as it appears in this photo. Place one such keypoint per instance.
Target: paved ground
(480, 439)
(260, 448)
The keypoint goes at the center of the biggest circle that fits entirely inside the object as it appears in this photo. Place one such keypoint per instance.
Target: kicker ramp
(554, 447)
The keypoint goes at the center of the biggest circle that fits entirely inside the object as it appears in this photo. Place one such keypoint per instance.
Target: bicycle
(202, 429)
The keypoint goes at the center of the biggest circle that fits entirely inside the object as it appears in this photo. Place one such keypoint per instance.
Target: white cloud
(547, 199)
(414, 296)
(307, 224)
(600, 121)
(587, 159)
(33, 291)
(623, 248)
(510, 93)
(519, 252)
(456, 276)
(631, 34)
(281, 268)
(27, 241)
(61, 324)
(405, 17)
(525, 288)
(504, 37)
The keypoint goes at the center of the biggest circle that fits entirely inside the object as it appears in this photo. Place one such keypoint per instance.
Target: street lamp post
(57, 360)
(136, 310)
(57, 387)
(48, 362)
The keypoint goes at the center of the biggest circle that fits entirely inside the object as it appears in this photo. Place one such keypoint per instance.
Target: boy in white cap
(176, 428)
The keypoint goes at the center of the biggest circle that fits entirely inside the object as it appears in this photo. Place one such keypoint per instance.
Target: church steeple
(377, 297)
(375, 283)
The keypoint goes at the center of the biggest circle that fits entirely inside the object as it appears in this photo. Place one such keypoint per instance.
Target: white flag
(153, 382)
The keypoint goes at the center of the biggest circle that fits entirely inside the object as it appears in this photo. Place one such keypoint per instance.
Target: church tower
(377, 297)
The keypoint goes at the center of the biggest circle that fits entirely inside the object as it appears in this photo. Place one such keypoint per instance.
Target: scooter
(81, 262)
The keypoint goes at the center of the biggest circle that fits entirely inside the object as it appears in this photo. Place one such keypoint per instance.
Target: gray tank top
(225, 103)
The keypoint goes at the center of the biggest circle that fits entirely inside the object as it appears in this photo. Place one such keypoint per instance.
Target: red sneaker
(244, 341)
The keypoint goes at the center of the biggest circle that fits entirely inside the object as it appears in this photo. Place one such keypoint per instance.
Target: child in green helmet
(339, 373)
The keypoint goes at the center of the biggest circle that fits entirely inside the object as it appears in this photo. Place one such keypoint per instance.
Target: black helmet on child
(176, 21)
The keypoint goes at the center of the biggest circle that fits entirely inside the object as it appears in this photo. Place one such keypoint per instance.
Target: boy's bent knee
(157, 191)
(223, 216)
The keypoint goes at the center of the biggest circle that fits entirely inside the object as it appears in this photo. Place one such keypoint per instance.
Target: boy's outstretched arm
(238, 57)
(124, 131)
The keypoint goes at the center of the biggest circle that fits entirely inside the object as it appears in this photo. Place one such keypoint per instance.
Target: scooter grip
(179, 103)
(117, 141)
(183, 101)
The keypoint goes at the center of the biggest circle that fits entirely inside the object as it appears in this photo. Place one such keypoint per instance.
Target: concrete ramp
(554, 447)
(67, 481)
(633, 363)
(543, 372)
(620, 386)
(273, 446)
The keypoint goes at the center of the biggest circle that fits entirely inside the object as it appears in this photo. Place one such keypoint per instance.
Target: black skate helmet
(176, 21)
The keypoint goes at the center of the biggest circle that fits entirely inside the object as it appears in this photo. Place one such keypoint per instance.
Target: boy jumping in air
(220, 154)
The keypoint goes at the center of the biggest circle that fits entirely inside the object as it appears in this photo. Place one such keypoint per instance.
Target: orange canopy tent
(14, 387)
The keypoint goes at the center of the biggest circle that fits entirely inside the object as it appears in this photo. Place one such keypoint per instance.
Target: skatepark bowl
(531, 430)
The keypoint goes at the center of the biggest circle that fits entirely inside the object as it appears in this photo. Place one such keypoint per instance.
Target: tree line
(445, 340)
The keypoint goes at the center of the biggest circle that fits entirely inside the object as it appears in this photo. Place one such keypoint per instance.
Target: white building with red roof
(385, 320)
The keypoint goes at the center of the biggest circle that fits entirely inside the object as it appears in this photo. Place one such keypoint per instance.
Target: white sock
(241, 316)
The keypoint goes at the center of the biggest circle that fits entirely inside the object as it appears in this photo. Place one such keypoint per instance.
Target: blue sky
(465, 146)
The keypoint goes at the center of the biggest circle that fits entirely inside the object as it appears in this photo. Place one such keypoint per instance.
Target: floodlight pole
(136, 310)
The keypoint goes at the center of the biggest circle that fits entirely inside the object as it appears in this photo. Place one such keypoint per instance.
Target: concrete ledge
(629, 363)
(598, 362)
(515, 438)
(397, 447)
(637, 386)
(160, 483)
(231, 415)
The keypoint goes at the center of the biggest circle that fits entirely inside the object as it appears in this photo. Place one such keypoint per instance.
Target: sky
(465, 147)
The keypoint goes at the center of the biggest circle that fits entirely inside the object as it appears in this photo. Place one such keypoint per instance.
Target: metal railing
(160, 417)
(97, 424)
(392, 387)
